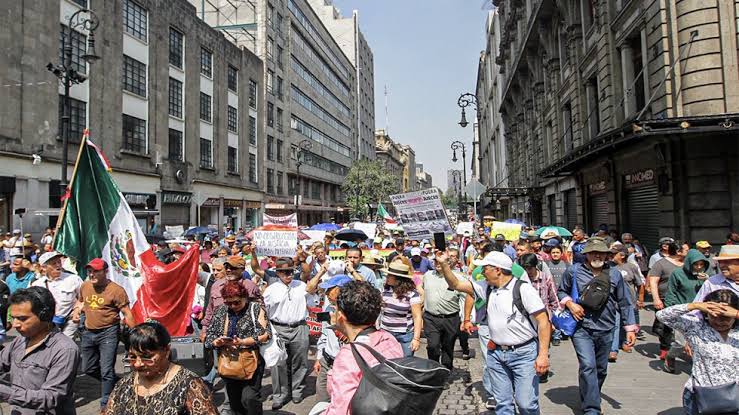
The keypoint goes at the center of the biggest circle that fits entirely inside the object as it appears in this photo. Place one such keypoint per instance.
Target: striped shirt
(396, 312)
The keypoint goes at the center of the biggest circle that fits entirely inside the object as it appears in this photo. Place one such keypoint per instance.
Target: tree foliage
(368, 182)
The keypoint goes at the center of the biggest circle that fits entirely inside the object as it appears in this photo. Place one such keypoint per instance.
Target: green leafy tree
(450, 199)
(368, 182)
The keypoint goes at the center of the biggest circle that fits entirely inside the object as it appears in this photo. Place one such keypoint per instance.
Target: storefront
(176, 209)
(143, 206)
(209, 212)
(641, 204)
(570, 208)
(597, 205)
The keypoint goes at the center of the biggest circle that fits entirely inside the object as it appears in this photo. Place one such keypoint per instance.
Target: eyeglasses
(233, 302)
(148, 361)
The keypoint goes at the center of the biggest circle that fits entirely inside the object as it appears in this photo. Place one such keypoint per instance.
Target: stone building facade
(169, 102)
(398, 159)
(622, 112)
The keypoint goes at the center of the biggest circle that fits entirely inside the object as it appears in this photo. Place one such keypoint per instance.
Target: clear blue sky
(426, 52)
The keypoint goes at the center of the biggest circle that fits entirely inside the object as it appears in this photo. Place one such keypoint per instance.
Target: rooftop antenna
(387, 117)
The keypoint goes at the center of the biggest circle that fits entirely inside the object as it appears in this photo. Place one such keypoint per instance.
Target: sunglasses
(232, 302)
(148, 361)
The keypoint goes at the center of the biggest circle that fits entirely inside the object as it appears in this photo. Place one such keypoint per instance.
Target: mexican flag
(96, 222)
(383, 213)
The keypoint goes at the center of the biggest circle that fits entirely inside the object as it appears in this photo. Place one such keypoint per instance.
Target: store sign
(173, 198)
(231, 203)
(212, 202)
(639, 178)
(138, 199)
(598, 187)
(253, 205)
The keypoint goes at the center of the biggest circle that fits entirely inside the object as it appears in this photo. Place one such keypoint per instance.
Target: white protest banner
(173, 232)
(463, 227)
(290, 220)
(315, 236)
(421, 213)
(276, 243)
(369, 228)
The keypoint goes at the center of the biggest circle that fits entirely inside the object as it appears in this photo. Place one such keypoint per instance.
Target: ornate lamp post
(82, 19)
(463, 102)
(458, 145)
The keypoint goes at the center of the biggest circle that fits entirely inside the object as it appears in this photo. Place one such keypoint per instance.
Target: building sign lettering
(597, 187)
(176, 198)
(639, 178)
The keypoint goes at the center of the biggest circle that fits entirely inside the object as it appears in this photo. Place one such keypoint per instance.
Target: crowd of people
(388, 292)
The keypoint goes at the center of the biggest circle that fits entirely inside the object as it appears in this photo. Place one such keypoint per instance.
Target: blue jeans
(513, 374)
(405, 341)
(592, 348)
(556, 333)
(210, 378)
(483, 334)
(619, 334)
(688, 403)
(98, 350)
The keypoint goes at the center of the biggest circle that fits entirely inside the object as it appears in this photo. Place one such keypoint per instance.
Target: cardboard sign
(341, 253)
(422, 214)
(369, 228)
(290, 220)
(276, 243)
(511, 231)
(315, 236)
(463, 227)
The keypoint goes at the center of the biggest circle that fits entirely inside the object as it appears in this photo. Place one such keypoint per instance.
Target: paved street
(635, 385)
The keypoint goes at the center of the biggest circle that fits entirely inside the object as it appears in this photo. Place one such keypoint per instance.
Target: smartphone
(227, 339)
(323, 316)
(440, 241)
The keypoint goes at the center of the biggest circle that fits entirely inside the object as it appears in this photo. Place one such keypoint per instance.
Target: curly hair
(403, 287)
(725, 296)
(234, 289)
(360, 302)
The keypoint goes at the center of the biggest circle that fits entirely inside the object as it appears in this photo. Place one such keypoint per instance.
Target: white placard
(369, 228)
(276, 243)
(421, 213)
(290, 220)
(463, 227)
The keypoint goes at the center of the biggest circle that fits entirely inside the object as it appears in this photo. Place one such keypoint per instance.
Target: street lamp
(303, 147)
(458, 145)
(464, 101)
(87, 20)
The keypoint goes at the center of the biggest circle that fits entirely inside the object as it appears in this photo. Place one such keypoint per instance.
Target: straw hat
(371, 259)
(399, 270)
(728, 252)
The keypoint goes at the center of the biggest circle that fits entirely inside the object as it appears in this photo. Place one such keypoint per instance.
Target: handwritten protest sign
(511, 231)
(421, 213)
(341, 253)
(276, 243)
(290, 220)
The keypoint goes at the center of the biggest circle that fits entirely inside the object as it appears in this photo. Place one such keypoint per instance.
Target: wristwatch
(256, 340)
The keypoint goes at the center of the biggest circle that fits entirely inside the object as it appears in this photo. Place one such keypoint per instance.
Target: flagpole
(59, 220)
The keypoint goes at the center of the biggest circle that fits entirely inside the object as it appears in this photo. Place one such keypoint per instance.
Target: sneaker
(640, 335)
(612, 357)
(466, 355)
(555, 342)
(669, 365)
(490, 404)
(662, 354)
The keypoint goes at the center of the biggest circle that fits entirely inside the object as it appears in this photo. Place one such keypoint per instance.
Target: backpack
(595, 293)
(518, 302)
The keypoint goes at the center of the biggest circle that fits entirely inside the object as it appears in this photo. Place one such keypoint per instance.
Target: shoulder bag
(273, 352)
(716, 400)
(235, 362)
(563, 319)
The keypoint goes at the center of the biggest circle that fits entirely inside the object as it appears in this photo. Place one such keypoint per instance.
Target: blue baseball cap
(551, 243)
(336, 281)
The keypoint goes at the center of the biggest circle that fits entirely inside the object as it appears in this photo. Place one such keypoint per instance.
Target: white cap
(47, 256)
(496, 259)
(416, 251)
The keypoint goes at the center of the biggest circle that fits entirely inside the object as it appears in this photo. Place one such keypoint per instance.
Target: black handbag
(717, 400)
(406, 385)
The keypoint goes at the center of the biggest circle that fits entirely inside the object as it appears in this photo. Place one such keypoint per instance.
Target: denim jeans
(556, 333)
(619, 334)
(689, 405)
(514, 375)
(405, 341)
(592, 348)
(483, 334)
(98, 350)
(210, 378)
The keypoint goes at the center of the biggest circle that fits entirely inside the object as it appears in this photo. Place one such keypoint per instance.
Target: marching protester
(545, 287)
(156, 386)
(41, 361)
(402, 310)
(635, 284)
(21, 276)
(356, 269)
(705, 248)
(664, 250)
(727, 278)
(602, 295)
(518, 349)
(658, 278)
(102, 301)
(238, 327)
(64, 286)
(233, 268)
(574, 251)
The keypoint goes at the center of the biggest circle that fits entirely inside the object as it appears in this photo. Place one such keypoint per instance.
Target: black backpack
(595, 294)
(406, 385)
(518, 302)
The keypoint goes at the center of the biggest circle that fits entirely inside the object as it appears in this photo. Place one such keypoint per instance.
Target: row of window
(271, 149)
(308, 50)
(308, 26)
(271, 121)
(309, 131)
(307, 103)
(271, 182)
(324, 164)
(317, 86)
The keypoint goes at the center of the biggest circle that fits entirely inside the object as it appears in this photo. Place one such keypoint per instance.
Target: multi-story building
(424, 179)
(171, 102)
(398, 159)
(624, 113)
(350, 38)
(310, 103)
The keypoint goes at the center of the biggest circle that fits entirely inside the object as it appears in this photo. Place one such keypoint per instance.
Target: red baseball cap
(97, 264)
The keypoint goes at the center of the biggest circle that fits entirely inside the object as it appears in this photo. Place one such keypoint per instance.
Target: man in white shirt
(285, 300)
(64, 287)
(518, 351)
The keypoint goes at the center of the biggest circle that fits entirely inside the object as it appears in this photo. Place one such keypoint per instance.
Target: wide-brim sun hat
(398, 269)
(728, 252)
(596, 245)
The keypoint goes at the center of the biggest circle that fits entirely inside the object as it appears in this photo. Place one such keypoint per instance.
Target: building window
(270, 81)
(175, 98)
(233, 120)
(279, 183)
(206, 62)
(270, 181)
(270, 15)
(306, 188)
(252, 168)
(292, 188)
(316, 190)
(270, 47)
(77, 118)
(176, 43)
(278, 24)
(278, 88)
(233, 165)
(134, 76)
(252, 130)
(79, 48)
(279, 119)
(270, 149)
(134, 134)
(567, 128)
(253, 93)
(280, 58)
(175, 145)
(206, 107)
(270, 114)
(233, 79)
(134, 19)
(206, 153)
(279, 150)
